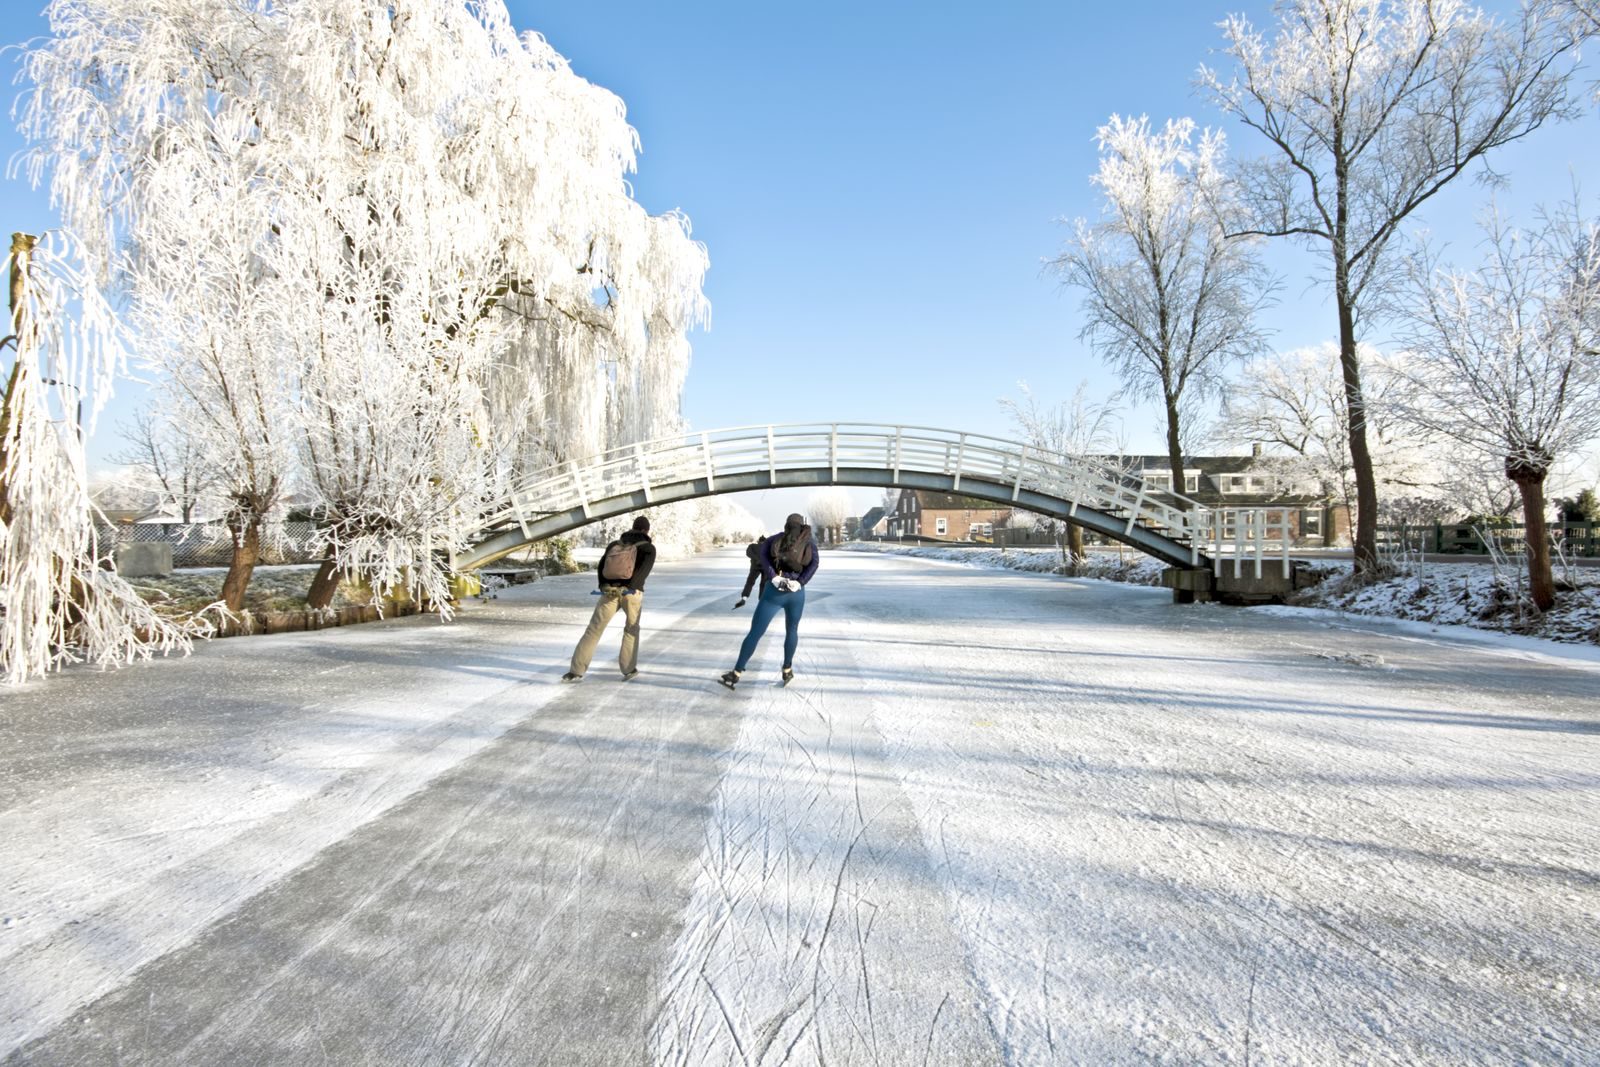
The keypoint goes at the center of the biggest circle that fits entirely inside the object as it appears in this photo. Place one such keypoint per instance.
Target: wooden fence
(1576, 538)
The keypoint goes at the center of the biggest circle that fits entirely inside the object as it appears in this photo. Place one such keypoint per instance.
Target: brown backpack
(619, 561)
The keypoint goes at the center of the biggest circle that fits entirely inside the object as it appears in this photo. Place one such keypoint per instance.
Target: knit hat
(794, 521)
(641, 525)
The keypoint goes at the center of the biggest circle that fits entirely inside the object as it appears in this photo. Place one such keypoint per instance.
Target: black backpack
(619, 560)
(794, 555)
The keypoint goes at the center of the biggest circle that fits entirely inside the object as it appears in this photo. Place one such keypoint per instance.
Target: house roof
(871, 518)
(956, 502)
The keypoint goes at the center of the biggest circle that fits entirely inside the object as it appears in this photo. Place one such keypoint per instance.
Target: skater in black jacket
(752, 552)
(623, 569)
(788, 563)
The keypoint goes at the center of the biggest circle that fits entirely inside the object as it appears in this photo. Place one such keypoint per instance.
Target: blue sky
(879, 187)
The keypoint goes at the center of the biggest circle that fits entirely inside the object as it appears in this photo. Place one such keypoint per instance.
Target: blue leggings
(772, 602)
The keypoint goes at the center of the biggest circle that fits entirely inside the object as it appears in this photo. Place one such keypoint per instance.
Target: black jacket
(643, 561)
(752, 552)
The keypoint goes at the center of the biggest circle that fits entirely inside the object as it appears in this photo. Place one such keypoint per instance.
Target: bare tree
(1081, 427)
(1371, 107)
(1294, 404)
(169, 459)
(1169, 299)
(828, 509)
(1504, 358)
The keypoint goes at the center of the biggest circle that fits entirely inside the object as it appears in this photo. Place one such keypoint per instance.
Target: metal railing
(1011, 467)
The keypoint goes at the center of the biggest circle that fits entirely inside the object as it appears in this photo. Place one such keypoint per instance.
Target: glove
(740, 604)
(634, 592)
(786, 585)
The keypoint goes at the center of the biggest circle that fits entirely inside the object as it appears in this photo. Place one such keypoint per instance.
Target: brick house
(944, 516)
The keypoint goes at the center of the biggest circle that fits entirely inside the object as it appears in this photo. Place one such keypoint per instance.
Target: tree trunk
(324, 585)
(1366, 532)
(1175, 462)
(245, 525)
(1075, 543)
(1174, 448)
(1530, 483)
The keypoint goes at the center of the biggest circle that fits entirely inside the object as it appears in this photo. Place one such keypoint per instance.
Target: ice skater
(788, 562)
(752, 552)
(623, 570)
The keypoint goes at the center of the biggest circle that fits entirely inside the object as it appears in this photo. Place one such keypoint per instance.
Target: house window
(940, 526)
(1260, 483)
(1311, 523)
(1191, 482)
(1159, 482)
(1233, 483)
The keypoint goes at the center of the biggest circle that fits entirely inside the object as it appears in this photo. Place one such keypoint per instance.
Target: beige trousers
(610, 601)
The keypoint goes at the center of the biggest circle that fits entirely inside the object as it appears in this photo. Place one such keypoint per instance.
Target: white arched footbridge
(1180, 532)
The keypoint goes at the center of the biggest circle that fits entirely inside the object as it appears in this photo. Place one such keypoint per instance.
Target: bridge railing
(643, 467)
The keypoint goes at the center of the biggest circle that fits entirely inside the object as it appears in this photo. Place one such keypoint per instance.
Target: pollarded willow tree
(60, 602)
(1169, 299)
(383, 253)
(1505, 359)
(1371, 107)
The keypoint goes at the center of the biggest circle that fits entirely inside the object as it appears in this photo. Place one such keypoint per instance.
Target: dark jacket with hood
(769, 550)
(643, 561)
(752, 552)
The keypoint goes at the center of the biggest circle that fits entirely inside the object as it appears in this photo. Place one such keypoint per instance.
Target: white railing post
(1238, 544)
(516, 509)
(961, 457)
(644, 471)
(1138, 506)
(897, 432)
(772, 459)
(1261, 537)
(705, 451)
(583, 494)
(1022, 461)
(833, 450)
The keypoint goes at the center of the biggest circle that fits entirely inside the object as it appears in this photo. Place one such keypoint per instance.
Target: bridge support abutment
(1199, 585)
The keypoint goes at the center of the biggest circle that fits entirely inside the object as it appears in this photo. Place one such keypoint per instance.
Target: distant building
(944, 517)
(1253, 481)
(875, 523)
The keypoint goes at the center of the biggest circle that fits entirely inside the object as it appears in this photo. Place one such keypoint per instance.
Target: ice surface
(999, 817)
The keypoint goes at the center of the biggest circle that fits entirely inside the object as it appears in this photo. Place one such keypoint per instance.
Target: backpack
(618, 562)
(796, 557)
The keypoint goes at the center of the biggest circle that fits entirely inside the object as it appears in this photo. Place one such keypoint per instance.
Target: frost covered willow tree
(58, 602)
(1505, 359)
(1371, 107)
(385, 251)
(1169, 299)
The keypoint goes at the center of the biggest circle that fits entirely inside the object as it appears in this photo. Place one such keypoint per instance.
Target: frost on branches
(1506, 359)
(61, 604)
(383, 254)
(1370, 108)
(1169, 299)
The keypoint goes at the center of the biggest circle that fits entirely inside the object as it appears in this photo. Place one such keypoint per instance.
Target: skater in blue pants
(788, 562)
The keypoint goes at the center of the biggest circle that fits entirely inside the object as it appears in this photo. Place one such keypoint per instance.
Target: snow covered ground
(999, 818)
(1479, 595)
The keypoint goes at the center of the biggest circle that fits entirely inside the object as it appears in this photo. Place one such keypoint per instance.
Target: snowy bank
(1133, 568)
(1476, 595)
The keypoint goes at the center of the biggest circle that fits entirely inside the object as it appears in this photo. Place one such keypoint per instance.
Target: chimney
(1255, 450)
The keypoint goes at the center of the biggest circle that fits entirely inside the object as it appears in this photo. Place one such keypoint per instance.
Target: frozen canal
(998, 818)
